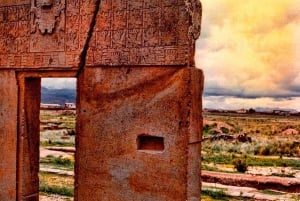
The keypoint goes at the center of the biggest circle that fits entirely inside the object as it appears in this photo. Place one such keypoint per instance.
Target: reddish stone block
(134, 105)
(8, 130)
(139, 95)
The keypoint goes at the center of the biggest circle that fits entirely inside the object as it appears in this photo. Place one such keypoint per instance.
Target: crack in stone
(84, 52)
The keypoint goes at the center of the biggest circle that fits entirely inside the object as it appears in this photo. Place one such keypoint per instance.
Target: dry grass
(269, 146)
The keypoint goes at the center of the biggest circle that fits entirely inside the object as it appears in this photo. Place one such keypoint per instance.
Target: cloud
(59, 83)
(250, 48)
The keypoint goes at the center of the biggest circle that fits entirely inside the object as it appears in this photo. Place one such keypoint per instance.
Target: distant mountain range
(257, 110)
(58, 96)
(62, 96)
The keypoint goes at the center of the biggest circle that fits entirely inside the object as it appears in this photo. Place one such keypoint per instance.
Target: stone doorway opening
(46, 137)
(57, 138)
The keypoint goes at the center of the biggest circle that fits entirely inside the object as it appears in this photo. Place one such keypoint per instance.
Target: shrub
(240, 165)
(225, 130)
(206, 128)
(71, 132)
(63, 162)
(265, 151)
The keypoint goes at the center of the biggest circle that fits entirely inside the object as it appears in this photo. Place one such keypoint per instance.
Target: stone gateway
(138, 103)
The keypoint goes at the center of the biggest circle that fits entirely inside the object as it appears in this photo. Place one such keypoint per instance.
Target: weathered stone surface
(141, 33)
(125, 32)
(8, 130)
(128, 103)
(13, 2)
(195, 134)
(139, 95)
(29, 140)
(32, 36)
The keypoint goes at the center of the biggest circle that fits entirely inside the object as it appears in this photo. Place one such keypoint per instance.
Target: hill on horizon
(58, 96)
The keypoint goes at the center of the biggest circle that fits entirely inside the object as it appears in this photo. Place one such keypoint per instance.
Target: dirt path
(248, 192)
(54, 198)
(56, 152)
(291, 185)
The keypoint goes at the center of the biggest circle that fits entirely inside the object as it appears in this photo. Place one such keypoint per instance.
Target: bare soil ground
(54, 198)
(291, 185)
(248, 192)
(45, 151)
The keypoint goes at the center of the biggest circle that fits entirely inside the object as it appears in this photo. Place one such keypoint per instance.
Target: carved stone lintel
(47, 15)
(194, 8)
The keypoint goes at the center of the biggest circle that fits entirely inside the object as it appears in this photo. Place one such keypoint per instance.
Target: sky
(59, 83)
(249, 52)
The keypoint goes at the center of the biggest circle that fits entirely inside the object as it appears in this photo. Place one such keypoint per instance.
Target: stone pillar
(139, 103)
(28, 138)
(138, 134)
(8, 134)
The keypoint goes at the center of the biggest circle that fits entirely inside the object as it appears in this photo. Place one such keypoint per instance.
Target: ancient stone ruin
(138, 96)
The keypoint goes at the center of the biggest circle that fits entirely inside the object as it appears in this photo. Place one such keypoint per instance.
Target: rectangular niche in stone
(150, 143)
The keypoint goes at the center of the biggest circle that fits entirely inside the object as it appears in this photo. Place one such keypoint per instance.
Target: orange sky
(251, 49)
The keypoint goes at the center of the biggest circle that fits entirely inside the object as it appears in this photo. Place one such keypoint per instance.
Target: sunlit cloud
(250, 48)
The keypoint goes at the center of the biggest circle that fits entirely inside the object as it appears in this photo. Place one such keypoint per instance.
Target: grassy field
(270, 136)
(57, 130)
(56, 184)
(272, 147)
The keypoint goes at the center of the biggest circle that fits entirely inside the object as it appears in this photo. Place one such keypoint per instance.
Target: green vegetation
(240, 165)
(271, 192)
(225, 130)
(218, 194)
(207, 128)
(283, 175)
(279, 162)
(57, 130)
(50, 143)
(66, 191)
(271, 151)
(57, 161)
(210, 168)
(284, 148)
(251, 160)
(56, 184)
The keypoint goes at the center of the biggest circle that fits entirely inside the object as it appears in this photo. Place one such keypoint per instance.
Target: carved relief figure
(194, 8)
(47, 15)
